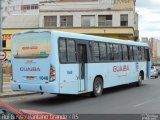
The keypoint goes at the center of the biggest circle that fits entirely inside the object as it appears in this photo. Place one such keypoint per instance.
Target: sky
(149, 17)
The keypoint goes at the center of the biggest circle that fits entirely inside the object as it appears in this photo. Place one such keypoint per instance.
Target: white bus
(68, 63)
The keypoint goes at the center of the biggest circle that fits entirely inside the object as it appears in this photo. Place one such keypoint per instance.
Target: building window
(105, 20)
(4, 43)
(66, 21)
(88, 21)
(26, 7)
(34, 6)
(50, 21)
(124, 20)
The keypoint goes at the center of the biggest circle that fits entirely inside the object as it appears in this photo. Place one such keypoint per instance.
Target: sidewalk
(7, 92)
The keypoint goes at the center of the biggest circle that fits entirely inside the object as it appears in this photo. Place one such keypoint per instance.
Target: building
(158, 52)
(14, 7)
(108, 18)
(154, 44)
(145, 40)
(155, 49)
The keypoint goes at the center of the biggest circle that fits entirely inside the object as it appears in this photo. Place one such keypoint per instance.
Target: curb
(16, 95)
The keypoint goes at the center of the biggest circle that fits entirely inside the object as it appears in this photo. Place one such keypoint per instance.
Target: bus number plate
(43, 77)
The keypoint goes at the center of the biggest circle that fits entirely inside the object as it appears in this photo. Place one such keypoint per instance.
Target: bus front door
(82, 59)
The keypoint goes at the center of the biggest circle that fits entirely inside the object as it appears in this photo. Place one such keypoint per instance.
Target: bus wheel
(97, 87)
(139, 83)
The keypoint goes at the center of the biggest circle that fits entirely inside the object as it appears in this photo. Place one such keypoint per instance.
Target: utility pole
(1, 73)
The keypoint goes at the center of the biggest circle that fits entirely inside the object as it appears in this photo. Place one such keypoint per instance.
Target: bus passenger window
(95, 52)
(135, 52)
(110, 51)
(139, 54)
(102, 47)
(147, 54)
(71, 50)
(62, 50)
(130, 53)
(143, 54)
(125, 52)
(116, 52)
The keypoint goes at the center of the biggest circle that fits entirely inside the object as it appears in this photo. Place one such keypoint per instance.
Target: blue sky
(149, 17)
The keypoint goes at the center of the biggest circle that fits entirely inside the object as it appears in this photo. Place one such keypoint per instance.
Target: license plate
(30, 77)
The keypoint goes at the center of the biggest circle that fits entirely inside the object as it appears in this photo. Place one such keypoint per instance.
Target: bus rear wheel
(97, 87)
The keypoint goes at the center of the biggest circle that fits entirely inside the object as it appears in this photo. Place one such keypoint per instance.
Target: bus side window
(130, 53)
(143, 54)
(125, 52)
(107, 52)
(62, 50)
(135, 52)
(120, 52)
(103, 55)
(96, 52)
(116, 52)
(71, 50)
(91, 50)
(139, 54)
(110, 51)
(147, 54)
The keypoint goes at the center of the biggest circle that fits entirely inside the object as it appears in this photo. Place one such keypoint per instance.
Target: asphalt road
(118, 100)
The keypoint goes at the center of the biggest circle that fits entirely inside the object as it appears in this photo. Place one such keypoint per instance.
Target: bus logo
(120, 68)
(29, 69)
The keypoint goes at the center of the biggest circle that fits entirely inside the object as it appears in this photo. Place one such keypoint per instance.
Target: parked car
(9, 113)
(154, 72)
(158, 68)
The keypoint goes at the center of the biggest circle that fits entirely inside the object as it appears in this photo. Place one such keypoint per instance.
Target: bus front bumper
(42, 88)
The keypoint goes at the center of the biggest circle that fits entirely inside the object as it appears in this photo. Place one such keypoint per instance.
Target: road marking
(145, 102)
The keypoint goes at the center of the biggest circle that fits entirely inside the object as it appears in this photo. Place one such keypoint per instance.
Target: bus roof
(87, 37)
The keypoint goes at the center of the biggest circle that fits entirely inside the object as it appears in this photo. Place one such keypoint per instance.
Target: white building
(117, 16)
(91, 13)
(20, 7)
(145, 40)
(110, 18)
(155, 49)
(107, 18)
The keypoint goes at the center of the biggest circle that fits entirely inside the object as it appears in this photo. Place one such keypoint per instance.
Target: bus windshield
(31, 45)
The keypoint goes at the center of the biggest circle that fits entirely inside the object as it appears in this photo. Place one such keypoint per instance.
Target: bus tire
(140, 78)
(97, 87)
